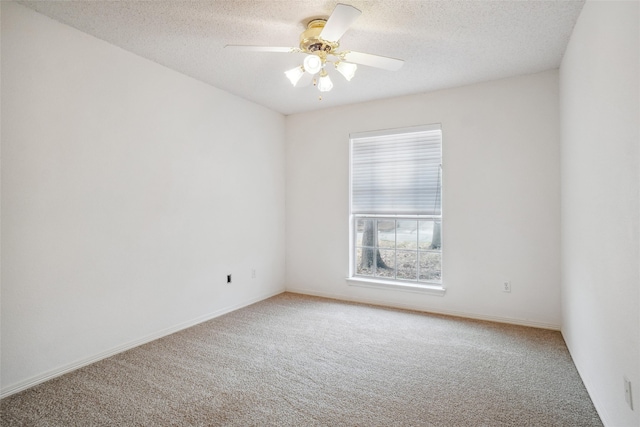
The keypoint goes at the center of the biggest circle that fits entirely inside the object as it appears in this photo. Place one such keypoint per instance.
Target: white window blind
(397, 172)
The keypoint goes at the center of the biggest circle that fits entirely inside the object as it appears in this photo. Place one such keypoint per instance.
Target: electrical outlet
(506, 286)
(253, 273)
(228, 278)
(627, 393)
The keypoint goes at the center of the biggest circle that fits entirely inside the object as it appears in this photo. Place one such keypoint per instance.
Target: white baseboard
(591, 390)
(467, 315)
(38, 379)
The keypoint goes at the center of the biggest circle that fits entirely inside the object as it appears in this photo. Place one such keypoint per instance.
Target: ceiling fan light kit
(324, 82)
(347, 69)
(295, 74)
(312, 64)
(320, 43)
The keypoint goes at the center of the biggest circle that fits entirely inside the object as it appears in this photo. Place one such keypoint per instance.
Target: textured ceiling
(444, 43)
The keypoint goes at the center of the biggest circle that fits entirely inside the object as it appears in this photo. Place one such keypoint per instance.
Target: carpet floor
(295, 360)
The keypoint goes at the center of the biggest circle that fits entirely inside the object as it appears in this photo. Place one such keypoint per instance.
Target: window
(396, 214)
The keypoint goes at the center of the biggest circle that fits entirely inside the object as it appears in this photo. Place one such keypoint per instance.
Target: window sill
(400, 286)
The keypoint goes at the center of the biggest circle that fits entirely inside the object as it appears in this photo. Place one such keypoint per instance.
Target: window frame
(425, 286)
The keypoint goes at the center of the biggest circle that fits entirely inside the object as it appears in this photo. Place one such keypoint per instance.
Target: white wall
(501, 198)
(600, 114)
(129, 191)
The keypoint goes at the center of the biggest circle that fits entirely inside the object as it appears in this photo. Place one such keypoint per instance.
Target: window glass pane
(430, 235)
(386, 233)
(365, 232)
(431, 266)
(436, 243)
(407, 265)
(364, 267)
(407, 234)
(386, 263)
(368, 258)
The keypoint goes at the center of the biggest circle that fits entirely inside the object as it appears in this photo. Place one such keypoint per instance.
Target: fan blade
(338, 23)
(243, 48)
(377, 61)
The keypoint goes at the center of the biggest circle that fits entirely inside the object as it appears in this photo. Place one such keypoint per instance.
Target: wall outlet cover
(628, 397)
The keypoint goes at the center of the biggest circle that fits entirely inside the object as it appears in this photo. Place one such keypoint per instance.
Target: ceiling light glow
(347, 69)
(312, 64)
(295, 74)
(324, 82)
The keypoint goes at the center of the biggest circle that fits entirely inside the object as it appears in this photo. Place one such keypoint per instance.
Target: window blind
(397, 173)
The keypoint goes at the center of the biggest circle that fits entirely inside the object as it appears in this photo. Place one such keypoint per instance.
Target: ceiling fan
(320, 43)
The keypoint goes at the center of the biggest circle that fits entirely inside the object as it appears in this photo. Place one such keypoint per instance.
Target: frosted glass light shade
(312, 64)
(294, 75)
(324, 83)
(347, 69)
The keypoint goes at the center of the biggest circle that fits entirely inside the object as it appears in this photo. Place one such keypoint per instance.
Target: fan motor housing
(310, 40)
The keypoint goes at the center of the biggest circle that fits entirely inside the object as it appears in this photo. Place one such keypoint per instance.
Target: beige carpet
(295, 360)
